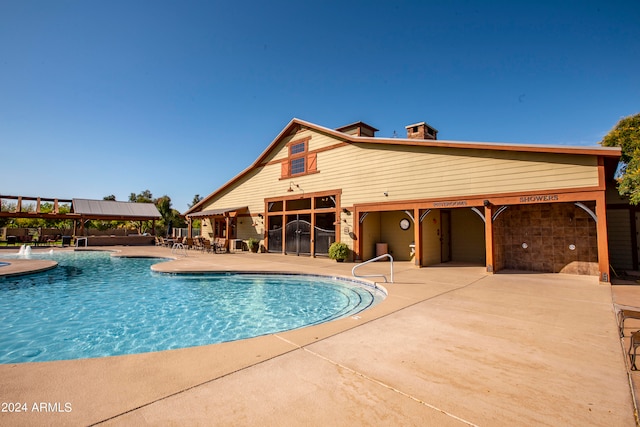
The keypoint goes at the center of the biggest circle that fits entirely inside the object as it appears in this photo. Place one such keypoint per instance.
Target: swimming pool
(95, 305)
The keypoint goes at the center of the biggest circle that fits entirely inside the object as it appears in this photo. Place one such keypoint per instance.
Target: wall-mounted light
(260, 216)
(291, 185)
(345, 211)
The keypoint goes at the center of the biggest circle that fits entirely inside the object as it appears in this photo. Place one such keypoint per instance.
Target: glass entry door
(325, 232)
(298, 234)
(275, 234)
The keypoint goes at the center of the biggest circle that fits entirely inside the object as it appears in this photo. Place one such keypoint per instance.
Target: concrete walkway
(450, 346)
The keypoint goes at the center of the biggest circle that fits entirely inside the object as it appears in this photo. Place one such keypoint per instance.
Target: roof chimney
(421, 131)
(358, 129)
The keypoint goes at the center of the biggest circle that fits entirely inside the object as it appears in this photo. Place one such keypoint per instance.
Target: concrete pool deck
(450, 346)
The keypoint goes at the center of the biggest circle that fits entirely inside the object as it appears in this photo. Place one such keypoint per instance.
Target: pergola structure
(81, 210)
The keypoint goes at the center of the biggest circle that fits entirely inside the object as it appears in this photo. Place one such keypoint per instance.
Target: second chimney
(421, 131)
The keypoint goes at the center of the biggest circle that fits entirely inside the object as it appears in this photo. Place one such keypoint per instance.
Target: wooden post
(603, 247)
(417, 237)
(357, 229)
(312, 232)
(488, 233)
(284, 234)
(227, 220)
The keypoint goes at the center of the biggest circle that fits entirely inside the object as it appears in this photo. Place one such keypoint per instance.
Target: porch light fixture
(290, 189)
(291, 184)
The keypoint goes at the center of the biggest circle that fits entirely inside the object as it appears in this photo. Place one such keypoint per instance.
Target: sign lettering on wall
(450, 204)
(539, 198)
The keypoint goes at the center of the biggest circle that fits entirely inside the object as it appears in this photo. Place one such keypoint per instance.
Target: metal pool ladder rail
(353, 270)
(179, 249)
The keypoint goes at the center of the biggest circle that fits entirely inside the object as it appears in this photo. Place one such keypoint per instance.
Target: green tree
(196, 200)
(164, 207)
(144, 197)
(169, 215)
(110, 197)
(626, 135)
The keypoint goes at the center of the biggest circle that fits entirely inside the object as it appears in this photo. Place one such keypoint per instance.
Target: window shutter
(311, 162)
(285, 169)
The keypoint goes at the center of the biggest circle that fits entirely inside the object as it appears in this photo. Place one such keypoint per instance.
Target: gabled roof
(295, 124)
(113, 209)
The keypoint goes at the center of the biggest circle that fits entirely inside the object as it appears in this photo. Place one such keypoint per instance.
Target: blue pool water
(95, 305)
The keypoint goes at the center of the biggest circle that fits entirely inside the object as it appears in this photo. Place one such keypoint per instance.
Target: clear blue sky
(177, 97)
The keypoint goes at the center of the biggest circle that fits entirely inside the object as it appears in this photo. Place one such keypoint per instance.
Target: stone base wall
(118, 241)
(553, 238)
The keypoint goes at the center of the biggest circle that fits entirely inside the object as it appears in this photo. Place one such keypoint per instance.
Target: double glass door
(304, 226)
(298, 234)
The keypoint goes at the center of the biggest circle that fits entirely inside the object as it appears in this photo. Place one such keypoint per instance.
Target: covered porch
(550, 232)
(219, 225)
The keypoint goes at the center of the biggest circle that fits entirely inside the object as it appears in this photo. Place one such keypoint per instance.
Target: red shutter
(285, 169)
(311, 162)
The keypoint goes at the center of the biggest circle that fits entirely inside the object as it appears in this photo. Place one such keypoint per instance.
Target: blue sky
(177, 97)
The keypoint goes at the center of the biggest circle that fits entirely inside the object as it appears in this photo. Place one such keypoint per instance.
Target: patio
(451, 345)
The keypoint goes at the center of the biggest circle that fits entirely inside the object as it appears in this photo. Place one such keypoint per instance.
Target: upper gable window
(298, 148)
(299, 161)
(297, 166)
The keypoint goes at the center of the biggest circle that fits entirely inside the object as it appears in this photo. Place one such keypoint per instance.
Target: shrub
(338, 251)
(253, 244)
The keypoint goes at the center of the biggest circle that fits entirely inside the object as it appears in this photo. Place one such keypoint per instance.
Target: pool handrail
(353, 270)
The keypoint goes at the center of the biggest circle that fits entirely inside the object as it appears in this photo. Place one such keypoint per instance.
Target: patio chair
(197, 243)
(206, 245)
(188, 243)
(633, 345)
(220, 245)
(625, 314)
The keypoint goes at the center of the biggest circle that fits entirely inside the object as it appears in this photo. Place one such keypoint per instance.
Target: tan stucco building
(429, 201)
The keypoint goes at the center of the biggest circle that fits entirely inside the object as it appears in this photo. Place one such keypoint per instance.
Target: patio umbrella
(170, 229)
